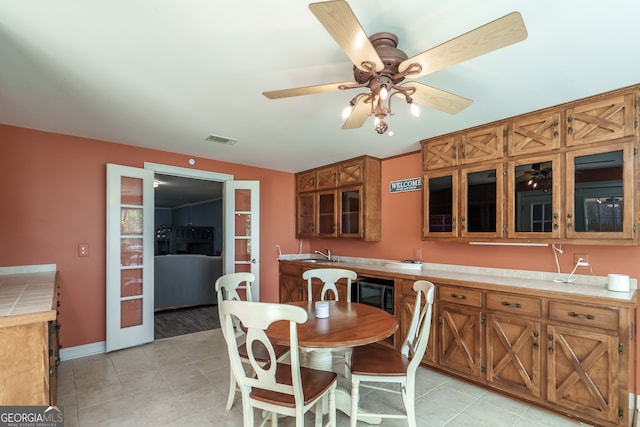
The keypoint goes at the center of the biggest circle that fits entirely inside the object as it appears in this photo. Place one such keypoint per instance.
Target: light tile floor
(183, 381)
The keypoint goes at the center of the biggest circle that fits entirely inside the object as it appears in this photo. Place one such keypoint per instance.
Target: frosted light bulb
(415, 110)
(346, 112)
(384, 92)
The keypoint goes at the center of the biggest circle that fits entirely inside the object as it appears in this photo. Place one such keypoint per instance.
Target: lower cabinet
(576, 359)
(291, 283)
(568, 353)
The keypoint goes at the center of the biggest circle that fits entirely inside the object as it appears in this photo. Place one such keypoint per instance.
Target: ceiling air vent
(221, 139)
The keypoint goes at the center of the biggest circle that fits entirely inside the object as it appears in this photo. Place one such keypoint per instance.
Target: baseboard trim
(83, 350)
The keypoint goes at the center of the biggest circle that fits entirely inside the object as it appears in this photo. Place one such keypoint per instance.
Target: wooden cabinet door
(481, 201)
(306, 215)
(482, 144)
(290, 288)
(539, 133)
(407, 307)
(306, 181)
(460, 347)
(327, 211)
(534, 207)
(513, 354)
(605, 119)
(582, 372)
(600, 192)
(440, 204)
(440, 152)
(326, 178)
(351, 210)
(291, 283)
(351, 172)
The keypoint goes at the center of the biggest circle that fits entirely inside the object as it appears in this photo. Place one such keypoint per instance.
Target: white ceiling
(165, 74)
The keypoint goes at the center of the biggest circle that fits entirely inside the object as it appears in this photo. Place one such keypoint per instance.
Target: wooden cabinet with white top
(29, 335)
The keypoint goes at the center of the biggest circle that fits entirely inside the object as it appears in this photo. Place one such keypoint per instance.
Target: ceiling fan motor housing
(385, 45)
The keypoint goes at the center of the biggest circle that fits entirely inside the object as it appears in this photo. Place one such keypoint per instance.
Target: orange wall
(401, 229)
(53, 198)
(53, 192)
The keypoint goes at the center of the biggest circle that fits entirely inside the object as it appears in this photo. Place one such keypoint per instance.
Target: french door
(242, 230)
(129, 256)
(130, 244)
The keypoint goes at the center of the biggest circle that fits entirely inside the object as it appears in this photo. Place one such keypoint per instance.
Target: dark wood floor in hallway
(171, 323)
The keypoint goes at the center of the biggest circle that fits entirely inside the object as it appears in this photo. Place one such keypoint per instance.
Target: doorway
(188, 242)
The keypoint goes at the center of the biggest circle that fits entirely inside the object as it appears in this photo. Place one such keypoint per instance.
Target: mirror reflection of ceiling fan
(380, 68)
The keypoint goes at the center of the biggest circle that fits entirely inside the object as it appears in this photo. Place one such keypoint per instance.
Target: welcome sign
(410, 184)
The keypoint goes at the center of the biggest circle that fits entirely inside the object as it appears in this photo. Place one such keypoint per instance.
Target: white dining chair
(378, 363)
(277, 388)
(227, 290)
(329, 277)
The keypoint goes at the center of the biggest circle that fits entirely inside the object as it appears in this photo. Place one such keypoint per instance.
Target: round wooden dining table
(349, 324)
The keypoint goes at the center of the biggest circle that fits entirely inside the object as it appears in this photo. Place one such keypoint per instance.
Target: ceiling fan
(380, 67)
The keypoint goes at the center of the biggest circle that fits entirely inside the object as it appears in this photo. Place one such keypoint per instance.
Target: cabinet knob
(458, 296)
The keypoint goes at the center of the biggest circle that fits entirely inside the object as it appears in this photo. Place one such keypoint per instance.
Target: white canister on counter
(322, 309)
(618, 283)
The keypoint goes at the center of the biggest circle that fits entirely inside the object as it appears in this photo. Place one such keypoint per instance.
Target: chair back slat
(416, 340)
(255, 318)
(329, 277)
(227, 286)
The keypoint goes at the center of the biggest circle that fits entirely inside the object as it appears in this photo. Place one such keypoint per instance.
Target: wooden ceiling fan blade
(437, 98)
(340, 21)
(306, 90)
(358, 115)
(497, 34)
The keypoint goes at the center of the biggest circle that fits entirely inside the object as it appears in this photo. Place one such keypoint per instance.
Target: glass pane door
(129, 256)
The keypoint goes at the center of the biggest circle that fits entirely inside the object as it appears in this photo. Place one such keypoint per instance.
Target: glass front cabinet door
(599, 191)
(533, 197)
(350, 200)
(481, 201)
(440, 204)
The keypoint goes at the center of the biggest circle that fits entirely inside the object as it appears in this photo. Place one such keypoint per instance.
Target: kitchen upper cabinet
(306, 214)
(440, 152)
(440, 191)
(571, 175)
(463, 148)
(532, 134)
(600, 192)
(481, 201)
(326, 178)
(482, 144)
(533, 197)
(602, 119)
(346, 202)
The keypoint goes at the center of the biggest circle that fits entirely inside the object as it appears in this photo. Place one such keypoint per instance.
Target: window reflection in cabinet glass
(440, 204)
(481, 201)
(350, 209)
(598, 192)
(326, 213)
(533, 193)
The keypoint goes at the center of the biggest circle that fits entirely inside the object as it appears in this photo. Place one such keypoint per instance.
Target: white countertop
(26, 290)
(587, 285)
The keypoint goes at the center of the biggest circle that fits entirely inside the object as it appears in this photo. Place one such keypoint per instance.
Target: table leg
(322, 359)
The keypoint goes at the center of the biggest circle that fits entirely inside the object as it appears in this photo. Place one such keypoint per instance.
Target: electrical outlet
(83, 250)
(417, 254)
(581, 259)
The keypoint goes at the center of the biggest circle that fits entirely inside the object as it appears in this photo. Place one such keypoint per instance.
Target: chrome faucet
(327, 255)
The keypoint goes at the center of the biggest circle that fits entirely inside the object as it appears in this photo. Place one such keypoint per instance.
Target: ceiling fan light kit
(380, 67)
